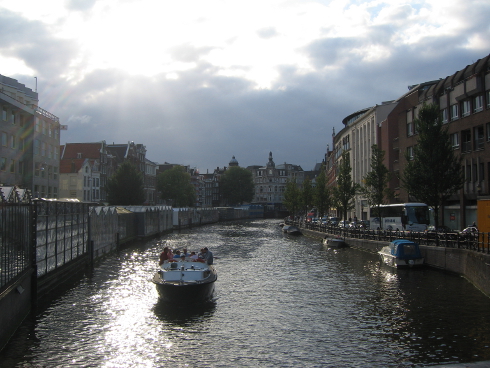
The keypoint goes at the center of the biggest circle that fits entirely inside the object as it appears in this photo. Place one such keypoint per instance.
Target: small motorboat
(293, 230)
(185, 281)
(401, 253)
(334, 242)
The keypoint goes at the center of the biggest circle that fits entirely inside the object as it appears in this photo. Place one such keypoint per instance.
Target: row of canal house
(464, 102)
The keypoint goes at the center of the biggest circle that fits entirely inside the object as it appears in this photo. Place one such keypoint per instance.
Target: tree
(435, 172)
(375, 188)
(345, 190)
(307, 194)
(125, 187)
(322, 194)
(175, 185)
(237, 185)
(292, 197)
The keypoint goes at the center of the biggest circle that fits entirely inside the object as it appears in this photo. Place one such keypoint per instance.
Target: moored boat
(293, 230)
(334, 242)
(185, 281)
(401, 253)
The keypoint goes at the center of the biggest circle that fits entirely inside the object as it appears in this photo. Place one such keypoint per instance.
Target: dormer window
(79, 155)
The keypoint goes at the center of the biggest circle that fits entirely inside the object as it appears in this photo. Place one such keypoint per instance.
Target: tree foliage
(307, 194)
(345, 190)
(237, 185)
(292, 197)
(375, 188)
(435, 173)
(175, 186)
(322, 194)
(125, 187)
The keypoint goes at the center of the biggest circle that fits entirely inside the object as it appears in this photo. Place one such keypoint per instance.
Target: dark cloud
(202, 118)
(31, 42)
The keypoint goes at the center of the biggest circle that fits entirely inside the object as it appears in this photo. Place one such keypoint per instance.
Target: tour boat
(185, 281)
(401, 253)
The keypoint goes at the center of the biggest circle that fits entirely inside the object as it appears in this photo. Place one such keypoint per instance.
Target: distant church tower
(233, 162)
(271, 164)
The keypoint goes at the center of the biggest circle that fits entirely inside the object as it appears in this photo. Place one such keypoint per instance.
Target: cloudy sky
(198, 82)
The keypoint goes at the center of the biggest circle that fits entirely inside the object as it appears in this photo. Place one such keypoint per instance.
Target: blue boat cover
(405, 249)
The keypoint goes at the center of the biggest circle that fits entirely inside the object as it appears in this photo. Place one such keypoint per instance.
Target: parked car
(344, 223)
(442, 231)
(364, 224)
(469, 233)
(333, 221)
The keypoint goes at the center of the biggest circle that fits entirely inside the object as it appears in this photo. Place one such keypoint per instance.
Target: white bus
(401, 216)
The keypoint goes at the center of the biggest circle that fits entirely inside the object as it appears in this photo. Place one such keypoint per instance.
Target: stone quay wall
(474, 266)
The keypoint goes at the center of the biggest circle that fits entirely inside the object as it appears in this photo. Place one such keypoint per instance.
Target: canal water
(280, 301)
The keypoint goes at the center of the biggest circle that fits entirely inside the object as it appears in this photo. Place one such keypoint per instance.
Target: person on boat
(194, 256)
(208, 256)
(185, 253)
(170, 255)
(177, 254)
(163, 256)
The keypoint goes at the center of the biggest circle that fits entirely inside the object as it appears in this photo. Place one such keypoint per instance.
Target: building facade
(464, 101)
(270, 182)
(30, 141)
(71, 157)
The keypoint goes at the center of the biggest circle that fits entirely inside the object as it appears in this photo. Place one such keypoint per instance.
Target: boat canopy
(405, 249)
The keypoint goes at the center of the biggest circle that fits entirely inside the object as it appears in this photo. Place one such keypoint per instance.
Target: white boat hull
(396, 262)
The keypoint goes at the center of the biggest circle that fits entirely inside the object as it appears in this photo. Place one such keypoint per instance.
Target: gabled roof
(119, 151)
(70, 166)
(87, 150)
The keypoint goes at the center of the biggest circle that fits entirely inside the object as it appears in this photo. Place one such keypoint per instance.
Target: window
(3, 164)
(37, 169)
(444, 116)
(12, 166)
(479, 137)
(37, 125)
(466, 140)
(12, 118)
(21, 120)
(455, 140)
(478, 103)
(454, 112)
(465, 108)
(410, 128)
(488, 99)
(4, 114)
(43, 149)
(12, 141)
(4, 139)
(410, 153)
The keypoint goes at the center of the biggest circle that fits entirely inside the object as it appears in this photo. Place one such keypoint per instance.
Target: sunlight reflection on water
(279, 301)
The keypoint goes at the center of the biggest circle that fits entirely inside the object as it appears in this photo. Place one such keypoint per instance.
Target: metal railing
(479, 242)
(15, 238)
